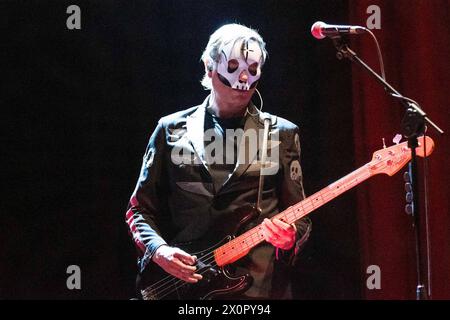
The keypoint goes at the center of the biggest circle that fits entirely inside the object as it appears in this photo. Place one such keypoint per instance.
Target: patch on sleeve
(295, 170)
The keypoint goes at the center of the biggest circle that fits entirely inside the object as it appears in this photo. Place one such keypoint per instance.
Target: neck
(223, 110)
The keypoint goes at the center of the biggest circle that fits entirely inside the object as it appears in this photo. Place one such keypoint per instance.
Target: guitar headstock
(391, 160)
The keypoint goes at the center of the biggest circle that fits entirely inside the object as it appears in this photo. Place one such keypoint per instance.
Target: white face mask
(240, 64)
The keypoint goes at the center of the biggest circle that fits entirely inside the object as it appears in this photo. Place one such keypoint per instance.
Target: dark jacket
(176, 201)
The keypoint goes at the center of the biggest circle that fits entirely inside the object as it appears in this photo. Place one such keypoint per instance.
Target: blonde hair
(222, 36)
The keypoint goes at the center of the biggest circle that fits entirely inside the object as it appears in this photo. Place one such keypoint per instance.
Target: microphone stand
(413, 126)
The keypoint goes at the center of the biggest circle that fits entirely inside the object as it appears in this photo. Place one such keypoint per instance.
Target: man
(199, 169)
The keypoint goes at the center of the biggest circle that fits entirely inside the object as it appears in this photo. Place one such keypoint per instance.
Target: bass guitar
(213, 261)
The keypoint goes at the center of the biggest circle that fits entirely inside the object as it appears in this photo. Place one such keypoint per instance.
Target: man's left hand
(279, 233)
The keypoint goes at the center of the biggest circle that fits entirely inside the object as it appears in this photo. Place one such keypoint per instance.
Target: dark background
(80, 105)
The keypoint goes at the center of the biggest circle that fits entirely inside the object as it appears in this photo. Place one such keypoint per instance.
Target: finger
(184, 256)
(174, 271)
(185, 277)
(180, 274)
(191, 277)
(282, 229)
(270, 236)
(186, 261)
(289, 228)
(266, 235)
(272, 227)
(183, 267)
(197, 276)
(281, 240)
(267, 230)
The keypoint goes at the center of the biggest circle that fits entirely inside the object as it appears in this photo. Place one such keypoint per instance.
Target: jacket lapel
(195, 127)
(245, 157)
(195, 124)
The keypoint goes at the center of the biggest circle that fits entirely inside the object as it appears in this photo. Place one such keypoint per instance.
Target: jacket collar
(195, 128)
(195, 133)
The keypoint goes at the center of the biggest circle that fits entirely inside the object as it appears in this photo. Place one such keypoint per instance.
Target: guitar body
(218, 282)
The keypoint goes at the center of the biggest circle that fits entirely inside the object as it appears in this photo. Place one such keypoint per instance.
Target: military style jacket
(176, 200)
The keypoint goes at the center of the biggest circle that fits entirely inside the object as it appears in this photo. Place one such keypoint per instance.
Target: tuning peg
(409, 197)
(397, 138)
(408, 187)
(406, 177)
(409, 209)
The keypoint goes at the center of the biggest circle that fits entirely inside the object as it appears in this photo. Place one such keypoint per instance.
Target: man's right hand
(177, 262)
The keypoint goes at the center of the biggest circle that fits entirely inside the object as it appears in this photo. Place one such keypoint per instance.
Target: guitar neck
(318, 199)
(241, 245)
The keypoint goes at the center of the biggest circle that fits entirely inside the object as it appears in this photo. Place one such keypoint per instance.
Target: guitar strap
(267, 123)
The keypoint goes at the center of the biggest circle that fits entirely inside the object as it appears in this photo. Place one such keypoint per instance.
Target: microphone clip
(343, 51)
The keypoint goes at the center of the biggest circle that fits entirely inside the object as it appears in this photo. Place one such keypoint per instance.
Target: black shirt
(222, 138)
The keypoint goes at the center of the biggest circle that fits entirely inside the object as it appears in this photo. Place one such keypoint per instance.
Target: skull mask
(240, 64)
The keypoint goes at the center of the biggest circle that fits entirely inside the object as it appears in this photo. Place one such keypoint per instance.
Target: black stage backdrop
(78, 107)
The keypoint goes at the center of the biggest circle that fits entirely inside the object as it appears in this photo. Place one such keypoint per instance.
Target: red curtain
(415, 42)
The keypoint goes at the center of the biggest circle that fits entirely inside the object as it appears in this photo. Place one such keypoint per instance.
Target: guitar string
(183, 283)
(176, 285)
(170, 285)
(326, 196)
(208, 258)
(159, 290)
(210, 255)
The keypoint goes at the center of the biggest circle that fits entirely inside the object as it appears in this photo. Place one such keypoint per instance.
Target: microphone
(321, 30)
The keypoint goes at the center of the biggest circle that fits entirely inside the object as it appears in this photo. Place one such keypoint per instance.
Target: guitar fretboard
(241, 245)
